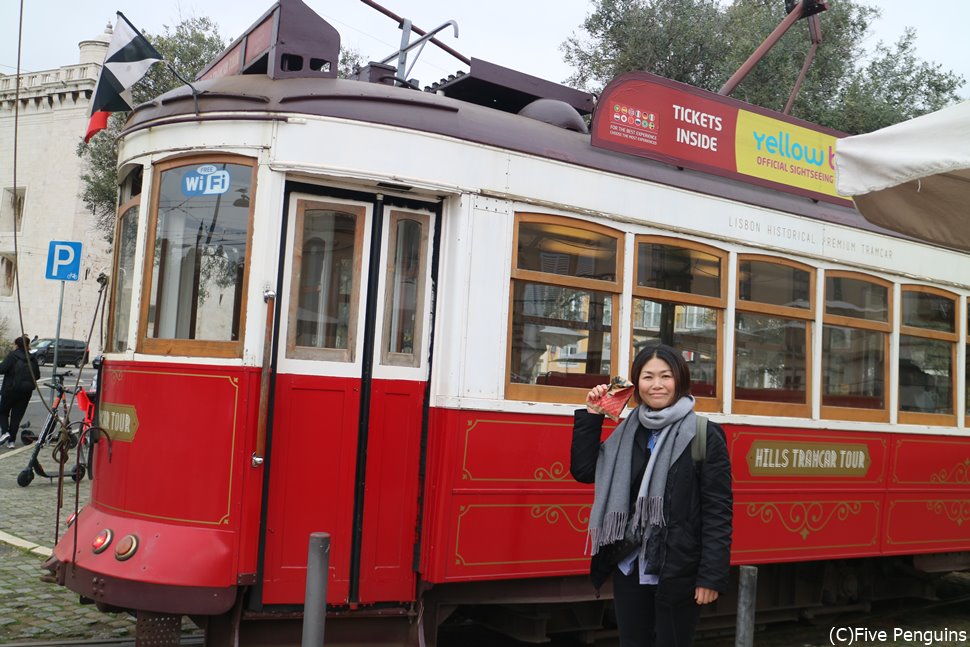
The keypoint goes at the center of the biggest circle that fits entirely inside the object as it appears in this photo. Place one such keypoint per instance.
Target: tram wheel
(25, 477)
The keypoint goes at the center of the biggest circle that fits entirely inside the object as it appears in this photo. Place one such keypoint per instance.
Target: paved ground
(29, 608)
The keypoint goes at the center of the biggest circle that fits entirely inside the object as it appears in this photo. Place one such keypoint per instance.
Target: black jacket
(697, 503)
(8, 369)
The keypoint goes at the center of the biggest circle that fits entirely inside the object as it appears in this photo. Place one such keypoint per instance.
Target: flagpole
(195, 93)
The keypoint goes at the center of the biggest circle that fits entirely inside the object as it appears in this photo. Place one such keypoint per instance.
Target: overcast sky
(523, 34)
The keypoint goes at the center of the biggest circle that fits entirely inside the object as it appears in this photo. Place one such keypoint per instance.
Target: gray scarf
(609, 519)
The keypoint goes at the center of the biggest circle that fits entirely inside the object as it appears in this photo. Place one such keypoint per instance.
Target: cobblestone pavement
(31, 609)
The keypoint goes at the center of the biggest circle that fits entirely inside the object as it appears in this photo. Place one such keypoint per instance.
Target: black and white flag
(129, 57)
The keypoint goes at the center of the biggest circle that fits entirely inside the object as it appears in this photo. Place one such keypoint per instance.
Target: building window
(8, 273)
(855, 346)
(927, 356)
(199, 236)
(772, 337)
(564, 293)
(12, 208)
(679, 299)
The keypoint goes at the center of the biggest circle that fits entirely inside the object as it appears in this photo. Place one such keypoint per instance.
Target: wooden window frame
(935, 419)
(133, 203)
(719, 304)
(543, 392)
(966, 362)
(759, 407)
(349, 354)
(192, 347)
(412, 359)
(850, 413)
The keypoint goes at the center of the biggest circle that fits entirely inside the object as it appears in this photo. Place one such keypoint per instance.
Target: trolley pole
(747, 590)
(317, 573)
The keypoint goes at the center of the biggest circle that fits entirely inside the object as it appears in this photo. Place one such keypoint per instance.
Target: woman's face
(656, 385)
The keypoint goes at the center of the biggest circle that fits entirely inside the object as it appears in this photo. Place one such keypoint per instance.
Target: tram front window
(200, 241)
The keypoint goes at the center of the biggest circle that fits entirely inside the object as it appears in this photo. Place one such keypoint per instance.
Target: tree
(188, 47)
(702, 42)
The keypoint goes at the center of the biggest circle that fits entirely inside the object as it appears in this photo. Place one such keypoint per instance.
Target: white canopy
(913, 177)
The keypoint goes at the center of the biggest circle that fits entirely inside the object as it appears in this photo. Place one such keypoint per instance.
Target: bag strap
(698, 446)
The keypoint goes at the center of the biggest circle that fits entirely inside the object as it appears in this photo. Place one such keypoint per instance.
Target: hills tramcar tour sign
(650, 116)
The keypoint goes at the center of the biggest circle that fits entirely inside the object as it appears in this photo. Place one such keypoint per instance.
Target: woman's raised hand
(594, 394)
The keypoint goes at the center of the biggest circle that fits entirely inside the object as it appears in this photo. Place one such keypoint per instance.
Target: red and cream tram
(347, 306)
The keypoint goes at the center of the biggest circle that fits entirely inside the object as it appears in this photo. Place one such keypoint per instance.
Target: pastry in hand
(611, 404)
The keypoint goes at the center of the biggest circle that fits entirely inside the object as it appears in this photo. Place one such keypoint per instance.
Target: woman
(18, 386)
(660, 524)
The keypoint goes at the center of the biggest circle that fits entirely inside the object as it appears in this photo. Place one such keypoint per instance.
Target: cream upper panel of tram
(435, 163)
(210, 136)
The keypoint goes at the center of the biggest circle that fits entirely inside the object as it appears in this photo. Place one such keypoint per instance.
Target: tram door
(351, 374)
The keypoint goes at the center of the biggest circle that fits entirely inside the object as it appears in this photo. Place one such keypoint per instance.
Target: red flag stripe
(99, 121)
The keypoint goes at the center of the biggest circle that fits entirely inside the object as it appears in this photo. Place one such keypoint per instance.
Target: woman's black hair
(674, 360)
(22, 343)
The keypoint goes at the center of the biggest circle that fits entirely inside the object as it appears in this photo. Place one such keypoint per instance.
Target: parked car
(69, 351)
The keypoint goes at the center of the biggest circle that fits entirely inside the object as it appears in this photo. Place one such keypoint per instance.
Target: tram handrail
(269, 296)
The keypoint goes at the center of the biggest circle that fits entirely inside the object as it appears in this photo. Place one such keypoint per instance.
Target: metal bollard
(747, 593)
(317, 574)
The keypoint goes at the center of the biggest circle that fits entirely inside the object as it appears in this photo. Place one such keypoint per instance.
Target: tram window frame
(806, 315)
(614, 288)
(412, 358)
(679, 298)
(129, 196)
(836, 412)
(929, 418)
(182, 346)
(348, 354)
(966, 365)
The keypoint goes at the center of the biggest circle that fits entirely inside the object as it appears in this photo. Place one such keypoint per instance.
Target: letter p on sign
(63, 260)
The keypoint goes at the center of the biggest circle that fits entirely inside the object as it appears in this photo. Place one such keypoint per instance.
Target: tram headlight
(126, 547)
(102, 541)
(72, 518)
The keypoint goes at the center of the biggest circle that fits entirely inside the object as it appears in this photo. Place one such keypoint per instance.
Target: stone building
(53, 116)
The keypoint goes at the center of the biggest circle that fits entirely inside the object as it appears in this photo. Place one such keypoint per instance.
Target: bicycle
(52, 427)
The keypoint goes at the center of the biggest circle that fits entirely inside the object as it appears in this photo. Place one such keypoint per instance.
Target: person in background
(18, 386)
(660, 523)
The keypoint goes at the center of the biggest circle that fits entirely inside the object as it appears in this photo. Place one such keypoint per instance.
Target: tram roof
(269, 90)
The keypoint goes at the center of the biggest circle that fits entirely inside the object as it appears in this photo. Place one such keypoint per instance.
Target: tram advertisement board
(650, 116)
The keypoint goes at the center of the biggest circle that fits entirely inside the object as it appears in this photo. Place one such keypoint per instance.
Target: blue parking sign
(63, 260)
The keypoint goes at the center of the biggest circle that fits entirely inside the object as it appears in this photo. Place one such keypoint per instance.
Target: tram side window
(326, 281)
(772, 337)
(679, 299)
(125, 239)
(199, 237)
(565, 287)
(125, 248)
(403, 316)
(927, 355)
(966, 368)
(855, 345)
